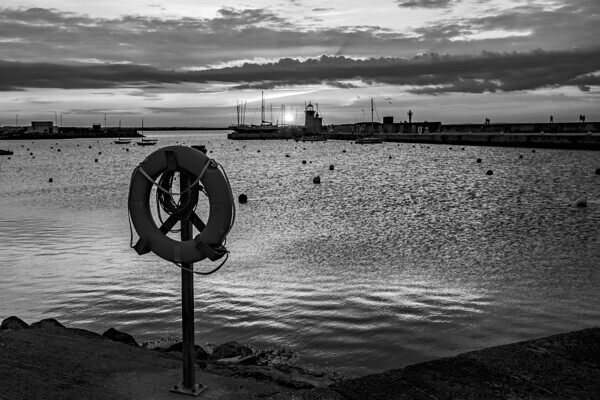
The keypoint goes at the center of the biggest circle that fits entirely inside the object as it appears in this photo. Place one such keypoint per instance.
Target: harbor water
(403, 253)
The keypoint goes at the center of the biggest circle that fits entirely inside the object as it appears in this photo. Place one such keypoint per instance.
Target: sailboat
(146, 142)
(264, 127)
(121, 140)
(370, 139)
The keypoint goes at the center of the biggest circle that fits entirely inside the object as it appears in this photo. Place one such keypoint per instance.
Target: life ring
(208, 243)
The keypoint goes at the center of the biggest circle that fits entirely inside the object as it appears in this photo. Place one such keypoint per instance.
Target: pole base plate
(193, 391)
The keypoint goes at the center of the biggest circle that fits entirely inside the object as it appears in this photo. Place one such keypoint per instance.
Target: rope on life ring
(207, 176)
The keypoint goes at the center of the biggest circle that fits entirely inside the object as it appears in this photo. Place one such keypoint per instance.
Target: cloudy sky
(181, 63)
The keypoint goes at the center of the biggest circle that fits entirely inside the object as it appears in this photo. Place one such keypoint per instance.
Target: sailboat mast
(372, 116)
(262, 107)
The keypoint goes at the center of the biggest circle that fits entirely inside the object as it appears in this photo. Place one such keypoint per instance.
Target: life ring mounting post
(197, 173)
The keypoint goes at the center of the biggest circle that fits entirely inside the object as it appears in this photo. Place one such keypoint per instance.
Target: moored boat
(122, 141)
(147, 142)
(313, 138)
(369, 140)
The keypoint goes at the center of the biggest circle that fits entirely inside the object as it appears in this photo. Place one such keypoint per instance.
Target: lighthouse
(312, 121)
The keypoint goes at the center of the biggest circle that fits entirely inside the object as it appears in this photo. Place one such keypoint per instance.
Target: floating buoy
(90, 147)
(99, 153)
(390, 157)
(533, 151)
(303, 161)
(50, 180)
(489, 172)
(258, 151)
(520, 155)
(449, 148)
(581, 202)
(597, 171)
(126, 149)
(58, 150)
(287, 155)
(242, 198)
(30, 154)
(96, 160)
(344, 151)
(51, 147)
(317, 179)
(331, 167)
(463, 148)
(479, 160)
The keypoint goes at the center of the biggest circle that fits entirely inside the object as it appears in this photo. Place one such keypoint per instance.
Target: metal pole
(187, 303)
(188, 386)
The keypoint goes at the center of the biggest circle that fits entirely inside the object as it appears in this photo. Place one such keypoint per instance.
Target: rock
(229, 350)
(118, 336)
(14, 323)
(46, 323)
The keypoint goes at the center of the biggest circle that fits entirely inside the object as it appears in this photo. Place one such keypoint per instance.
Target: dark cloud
(49, 35)
(426, 73)
(424, 3)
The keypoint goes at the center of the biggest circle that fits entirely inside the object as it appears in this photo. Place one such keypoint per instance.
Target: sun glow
(289, 118)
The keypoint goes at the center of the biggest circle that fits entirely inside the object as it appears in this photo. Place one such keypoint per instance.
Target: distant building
(42, 127)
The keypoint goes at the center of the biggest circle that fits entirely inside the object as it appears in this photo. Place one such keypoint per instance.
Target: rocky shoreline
(47, 360)
(231, 358)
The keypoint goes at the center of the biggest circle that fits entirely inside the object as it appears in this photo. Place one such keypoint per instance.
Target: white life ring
(208, 243)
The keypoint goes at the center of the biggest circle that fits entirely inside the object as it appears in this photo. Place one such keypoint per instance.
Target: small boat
(147, 142)
(313, 138)
(122, 141)
(6, 153)
(369, 140)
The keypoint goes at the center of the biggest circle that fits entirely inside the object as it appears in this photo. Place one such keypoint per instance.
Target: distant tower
(312, 121)
(410, 114)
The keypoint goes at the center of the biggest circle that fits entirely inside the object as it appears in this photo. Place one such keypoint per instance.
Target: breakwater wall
(558, 127)
(556, 141)
(70, 133)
